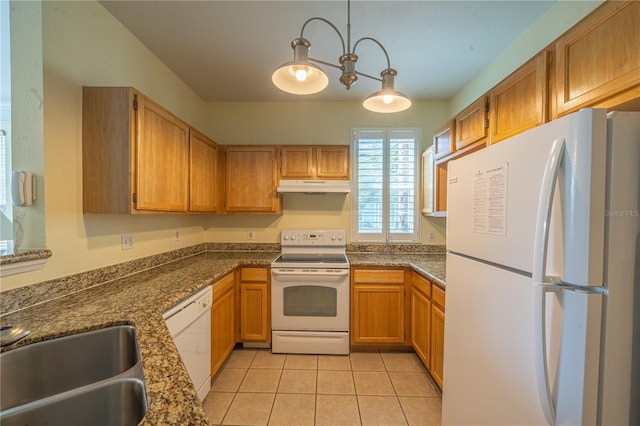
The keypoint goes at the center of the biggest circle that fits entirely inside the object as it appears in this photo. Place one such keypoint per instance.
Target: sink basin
(93, 378)
(47, 368)
(115, 402)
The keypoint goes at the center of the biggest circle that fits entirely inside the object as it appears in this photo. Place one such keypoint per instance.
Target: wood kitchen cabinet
(421, 317)
(204, 174)
(135, 154)
(427, 324)
(444, 142)
(597, 62)
(251, 179)
(519, 102)
(255, 305)
(437, 334)
(223, 321)
(378, 307)
(315, 162)
(472, 125)
(427, 179)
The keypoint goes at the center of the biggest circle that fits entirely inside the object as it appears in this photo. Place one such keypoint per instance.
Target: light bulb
(387, 99)
(301, 74)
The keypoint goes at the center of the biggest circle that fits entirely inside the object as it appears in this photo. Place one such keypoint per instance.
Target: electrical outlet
(177, 235)
(250, 236)
(127, 241)
(432, 236)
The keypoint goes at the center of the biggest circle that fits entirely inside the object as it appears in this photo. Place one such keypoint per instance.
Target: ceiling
(227, 50)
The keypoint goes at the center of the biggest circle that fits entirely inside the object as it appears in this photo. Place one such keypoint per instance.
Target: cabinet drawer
(421, 283)
(386, 276)
(253, 274)
(223, 285)
(437, 295)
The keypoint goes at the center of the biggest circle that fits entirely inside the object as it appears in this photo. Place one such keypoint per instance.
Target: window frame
(386, 236)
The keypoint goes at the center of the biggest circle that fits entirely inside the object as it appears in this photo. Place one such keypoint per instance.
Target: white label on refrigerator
(490, 200)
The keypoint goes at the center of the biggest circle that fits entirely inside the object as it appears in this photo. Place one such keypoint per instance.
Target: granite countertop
(141, 298)
(430, 265)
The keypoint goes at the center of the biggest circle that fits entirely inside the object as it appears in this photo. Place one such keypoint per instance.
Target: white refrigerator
(543, 275)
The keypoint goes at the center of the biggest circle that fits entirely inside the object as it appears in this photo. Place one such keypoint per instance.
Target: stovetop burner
(312, 249)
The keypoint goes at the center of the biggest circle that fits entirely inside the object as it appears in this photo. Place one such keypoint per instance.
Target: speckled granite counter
(430, 265)
(71, 305)
(140, 300)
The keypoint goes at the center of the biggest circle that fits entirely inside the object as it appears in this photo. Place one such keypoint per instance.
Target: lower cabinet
(255, 304)
(223, 323)
(421, 317)
(427, 324)
(437, 343)
(378, 307)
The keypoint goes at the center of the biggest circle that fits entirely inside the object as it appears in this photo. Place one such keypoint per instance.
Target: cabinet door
(255, 314)
(254, 317)
(427, 181)
(444, 140)
(421, 324)
(162, 159)
(378, 315)
(223, 331)
(251, 179)
(519, 102)
(440, 187)
(332, 162)
(203, 173)
(297, 162)
(598, 60)
(471, 124)
(437, 344)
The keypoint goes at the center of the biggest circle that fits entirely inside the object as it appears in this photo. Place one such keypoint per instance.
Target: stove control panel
(305, 237)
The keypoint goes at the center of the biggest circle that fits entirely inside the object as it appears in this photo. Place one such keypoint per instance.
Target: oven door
(310, 299)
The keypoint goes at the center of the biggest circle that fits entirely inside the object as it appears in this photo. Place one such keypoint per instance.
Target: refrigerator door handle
(541, 362)
(543, 217)
(547, 188)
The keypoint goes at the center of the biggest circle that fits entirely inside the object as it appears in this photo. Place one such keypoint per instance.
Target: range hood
(314, 186)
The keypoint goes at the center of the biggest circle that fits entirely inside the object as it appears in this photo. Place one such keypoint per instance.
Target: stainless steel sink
(115, 402)
(86, 374)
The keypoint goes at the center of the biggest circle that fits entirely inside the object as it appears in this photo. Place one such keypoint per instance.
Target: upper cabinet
(205, 191)
(444, 142)
(427, 181)
(598, 60)
(315, 162)
(252, 179)
(135, 154)
(472, 124)
(519, 102)
(332, 162)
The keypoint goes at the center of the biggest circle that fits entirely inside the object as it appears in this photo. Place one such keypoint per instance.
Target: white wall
(26, 133)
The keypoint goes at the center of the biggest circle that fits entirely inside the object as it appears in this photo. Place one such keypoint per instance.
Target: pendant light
(303, 77)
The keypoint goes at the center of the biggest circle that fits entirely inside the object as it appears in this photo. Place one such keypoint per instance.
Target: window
(384, 201)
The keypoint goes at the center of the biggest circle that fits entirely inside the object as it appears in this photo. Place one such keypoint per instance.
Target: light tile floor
(256, 387)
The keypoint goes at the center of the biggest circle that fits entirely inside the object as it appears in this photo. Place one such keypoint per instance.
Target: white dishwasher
(189, 323)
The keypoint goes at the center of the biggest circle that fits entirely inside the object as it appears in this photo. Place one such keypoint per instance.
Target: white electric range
(310, 293)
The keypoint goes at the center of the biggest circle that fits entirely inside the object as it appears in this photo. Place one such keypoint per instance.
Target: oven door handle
(310, 272)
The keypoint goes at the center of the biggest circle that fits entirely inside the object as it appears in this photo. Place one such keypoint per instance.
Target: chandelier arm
(376, 42)
(329, 64)
(368, 76)
(326, 21)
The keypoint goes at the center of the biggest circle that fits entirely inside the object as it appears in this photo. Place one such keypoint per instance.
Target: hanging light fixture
(302, 77)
